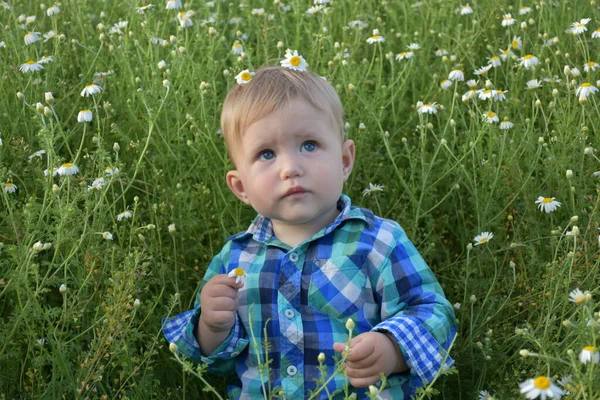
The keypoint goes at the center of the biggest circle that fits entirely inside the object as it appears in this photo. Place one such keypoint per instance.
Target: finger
(364, 382)
(221, 318)
(223, 304)
(339, 347)
(220, 290)
(360, 350)
(225, 280)
(364, 363)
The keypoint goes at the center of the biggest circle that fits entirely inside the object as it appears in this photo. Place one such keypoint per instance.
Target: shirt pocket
(337, 286)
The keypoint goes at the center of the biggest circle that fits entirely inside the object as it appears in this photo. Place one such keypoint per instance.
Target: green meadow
(476, 127)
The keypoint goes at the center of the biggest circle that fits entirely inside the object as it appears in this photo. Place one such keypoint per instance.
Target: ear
(236, 185)
(348, 150)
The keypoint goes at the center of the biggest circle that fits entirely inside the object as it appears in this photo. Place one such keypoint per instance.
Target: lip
(295, 191)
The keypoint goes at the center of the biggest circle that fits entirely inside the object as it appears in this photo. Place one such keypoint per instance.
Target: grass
(447, 177)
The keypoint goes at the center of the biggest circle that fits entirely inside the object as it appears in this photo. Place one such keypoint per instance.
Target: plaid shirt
(361, 267)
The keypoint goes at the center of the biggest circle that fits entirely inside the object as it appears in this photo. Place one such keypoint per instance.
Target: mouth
(295, 191)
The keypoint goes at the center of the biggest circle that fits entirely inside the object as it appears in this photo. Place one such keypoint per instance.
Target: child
(309, 261)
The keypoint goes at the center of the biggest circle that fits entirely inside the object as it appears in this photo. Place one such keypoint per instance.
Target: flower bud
(524, 353)
(137, 304)
(469, 247)
(574, 219)
(569, 174)
(63, 288)
(575, 230)
(38, 246)
(171, 228)
(321, 358)
(173, 347)
(350, 324)
(588, 151)
(116, 147)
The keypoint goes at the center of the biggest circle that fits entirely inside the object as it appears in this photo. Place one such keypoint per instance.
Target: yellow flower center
(295, 61)
(591, 349)
(490, 114)
(528, 57)
(68, 165)
(494, 58)
(487, 91)
(579, 24)
(85, 111)
(375, 37)
(30, 62)
(237, 45)
(591, 64)
(426, 105)
(580, 299)
(499, 92)
(586, 84)
(483, 240)
(246, 76)
(507, 18)
(514, 44)
(541, 382)
(238, 272)
(91, 85)
(11, 185)
(547, 200)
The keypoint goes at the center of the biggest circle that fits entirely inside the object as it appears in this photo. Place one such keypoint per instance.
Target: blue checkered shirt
(361, 267)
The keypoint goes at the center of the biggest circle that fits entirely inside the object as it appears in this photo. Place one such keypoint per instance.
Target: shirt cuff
(231, 347)
(422, 353)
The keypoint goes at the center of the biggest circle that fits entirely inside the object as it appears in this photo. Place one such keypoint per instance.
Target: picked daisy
(124, 215)
(90, 90)
(490, 117)
(529, 61)
(244, 77)
(294, 61)
(239, 274)
(376, 38)
(30, 66)
(10, 187)
(426, 108)
(584, 90)
(578, 297)
(84, 116)
(589, 354)
(372, 189)
(547, 204)
(483, 238)
(542, 387)
(31, 37)
(67, 169)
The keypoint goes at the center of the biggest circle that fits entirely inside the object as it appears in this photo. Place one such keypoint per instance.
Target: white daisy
(84, 116)
(584, 90)
(456, 75)
(173, 4)
(405, 55)
(67, 169)
(590, 66)
(578, 28)
(237, 48)
(516, 43)
(294, 61)
(534, 84)
(441, 52)
(31, 37)
(596, 34)
(490, 117)
(483, 238)
(541, 386)
(97, 184)
(426, 108)
(413, 46)
(30, 66)
(506, 124)
(45, 60)
(589, 354)
(485, 94)
(239, 274)
(52, 10)
(529, 61)
(38, 154)
(507, 20)
(578, 297)
(90, 89)
(124, 215)
(471, 94)
(445, 84)
(376, 38)
(547, 204)
(465, 10)
(110, 171)
(258, 11)
(358, 24)
(485, 395)
(504, 54)
(53, 171)
(10, 187)
(483, 70)
(316, 9)
(143, 9)
(106, 235)
(372, 189)
(244, 77)
(161, 65)
(494, 61)
(472, 83)
(498, 95)
(524, 10)
(185, 19)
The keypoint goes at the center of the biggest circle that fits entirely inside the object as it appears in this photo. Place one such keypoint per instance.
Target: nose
(291, 166)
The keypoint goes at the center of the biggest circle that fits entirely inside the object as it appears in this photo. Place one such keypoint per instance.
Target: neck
(294, 234)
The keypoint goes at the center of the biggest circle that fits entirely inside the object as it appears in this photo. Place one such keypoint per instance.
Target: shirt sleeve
(415, 311)
(180, 330)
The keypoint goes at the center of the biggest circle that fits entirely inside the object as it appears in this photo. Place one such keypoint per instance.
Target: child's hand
(371, 353)
(219, 303)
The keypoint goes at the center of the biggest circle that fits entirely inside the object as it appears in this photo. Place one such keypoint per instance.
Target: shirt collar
(261, 228)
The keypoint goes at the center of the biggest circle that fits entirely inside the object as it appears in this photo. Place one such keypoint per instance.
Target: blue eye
(266, 155)
(309, 146)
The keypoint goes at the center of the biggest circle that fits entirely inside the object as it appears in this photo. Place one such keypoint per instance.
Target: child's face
(291, 166)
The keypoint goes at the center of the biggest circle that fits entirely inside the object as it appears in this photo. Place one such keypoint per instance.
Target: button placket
(294, 257)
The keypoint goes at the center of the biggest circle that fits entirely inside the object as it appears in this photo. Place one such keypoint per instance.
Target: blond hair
(270, 90)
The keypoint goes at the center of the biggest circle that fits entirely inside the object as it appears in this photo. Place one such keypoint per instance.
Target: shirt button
(235, 354)
(289, 313)
(291, 370)
(294, 257)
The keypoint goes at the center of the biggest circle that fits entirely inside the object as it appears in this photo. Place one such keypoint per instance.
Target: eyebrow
(263, 143)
